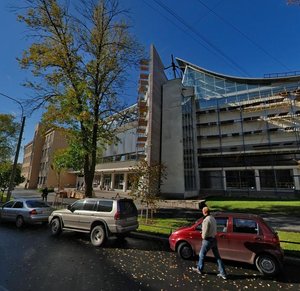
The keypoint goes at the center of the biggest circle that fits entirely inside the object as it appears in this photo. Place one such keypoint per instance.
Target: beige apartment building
(38, 157)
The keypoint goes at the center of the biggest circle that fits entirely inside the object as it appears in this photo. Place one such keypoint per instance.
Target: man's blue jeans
(207, 244)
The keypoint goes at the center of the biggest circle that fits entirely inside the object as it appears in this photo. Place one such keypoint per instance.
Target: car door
(195, 235)
(6, 210)
(17, 209)
(244, 240)
(222, 235)
(87, 214)
(71, 216)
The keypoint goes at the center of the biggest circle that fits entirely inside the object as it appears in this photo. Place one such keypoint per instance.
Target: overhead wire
(243, 34)
(202, 40)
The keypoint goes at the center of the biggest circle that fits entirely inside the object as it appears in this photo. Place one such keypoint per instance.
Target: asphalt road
(31, 259)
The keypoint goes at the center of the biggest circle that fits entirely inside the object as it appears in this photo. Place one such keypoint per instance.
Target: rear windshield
(36, 204)
(127, 207)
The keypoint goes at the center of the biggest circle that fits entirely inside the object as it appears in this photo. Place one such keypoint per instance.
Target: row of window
(239, 179)
(239, 225)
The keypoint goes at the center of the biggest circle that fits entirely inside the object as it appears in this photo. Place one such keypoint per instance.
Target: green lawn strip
(290, 242)
(256, 207)
(161, 225)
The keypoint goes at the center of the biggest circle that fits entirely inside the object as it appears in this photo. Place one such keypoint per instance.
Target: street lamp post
(13, 172)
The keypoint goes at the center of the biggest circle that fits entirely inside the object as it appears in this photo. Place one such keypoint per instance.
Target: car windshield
(36, 204)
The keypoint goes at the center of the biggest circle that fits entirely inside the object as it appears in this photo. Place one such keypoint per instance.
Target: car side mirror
(70, 208)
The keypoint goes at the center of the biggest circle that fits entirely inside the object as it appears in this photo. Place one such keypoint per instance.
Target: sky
(246, 38)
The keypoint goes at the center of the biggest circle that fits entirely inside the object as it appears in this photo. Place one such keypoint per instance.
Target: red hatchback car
(241, 237)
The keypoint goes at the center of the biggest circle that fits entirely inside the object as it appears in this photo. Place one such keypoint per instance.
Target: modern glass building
(216, 134)
(247, 132)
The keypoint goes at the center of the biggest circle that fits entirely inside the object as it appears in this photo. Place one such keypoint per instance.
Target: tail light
(117, 215)
(33, 212)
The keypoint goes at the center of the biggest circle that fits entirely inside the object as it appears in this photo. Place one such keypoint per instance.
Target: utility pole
(13, 172)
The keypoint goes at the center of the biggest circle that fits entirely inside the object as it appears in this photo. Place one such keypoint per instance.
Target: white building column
(296, 174)
(224, 179)
(101, 181)
(125, 182)
(257, 180)
(112, 183)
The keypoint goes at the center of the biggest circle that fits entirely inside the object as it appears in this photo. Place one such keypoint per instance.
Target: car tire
(267, 265)
(55, 226)
(98, 235)
(185, 251)
(19, 221)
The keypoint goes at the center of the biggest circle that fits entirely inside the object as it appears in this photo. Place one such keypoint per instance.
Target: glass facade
(247, 132)
(212, 90)
(188, 144)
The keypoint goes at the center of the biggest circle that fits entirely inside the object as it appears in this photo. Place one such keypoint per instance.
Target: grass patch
(163, 226)
(290, 242)
(2, 197)
(255, 206)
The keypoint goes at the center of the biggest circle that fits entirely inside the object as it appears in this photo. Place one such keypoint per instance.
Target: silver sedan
(25, 211)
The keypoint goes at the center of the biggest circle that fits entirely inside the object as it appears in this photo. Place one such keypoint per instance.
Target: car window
(221, 224)
(78, 205)
(127, 207)
(89, 205)
(105, 206)
(18, 204)
(8, 204)
(245, 226)
(36, 204)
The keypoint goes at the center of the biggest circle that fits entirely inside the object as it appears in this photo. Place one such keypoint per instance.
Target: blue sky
(242, 38)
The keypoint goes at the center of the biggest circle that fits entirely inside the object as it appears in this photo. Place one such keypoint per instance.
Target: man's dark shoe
(224, 277)
(195, 269)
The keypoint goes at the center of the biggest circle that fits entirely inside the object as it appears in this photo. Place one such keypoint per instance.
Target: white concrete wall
(126, 144)
(172, 147)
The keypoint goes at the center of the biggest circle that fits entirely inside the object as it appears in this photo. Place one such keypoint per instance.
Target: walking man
(209, 241)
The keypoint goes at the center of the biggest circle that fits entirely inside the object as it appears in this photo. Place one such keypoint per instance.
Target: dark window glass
(36, 204)
(9, 204)
(78, 205)
(240, 179)
(105, 206)
(127, 207)
(89, 205)
(221, 224)
(245, 226)
(18, 204)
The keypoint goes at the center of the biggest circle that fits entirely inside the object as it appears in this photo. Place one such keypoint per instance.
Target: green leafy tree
(145, 183)
(68, 158)
(8, 136)
(5, 174)
(80, 60)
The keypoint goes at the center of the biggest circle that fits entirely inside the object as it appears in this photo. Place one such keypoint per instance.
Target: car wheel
(55, 226)
(267, 265)
(98, 236)
(19, 221)
(185, 251)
